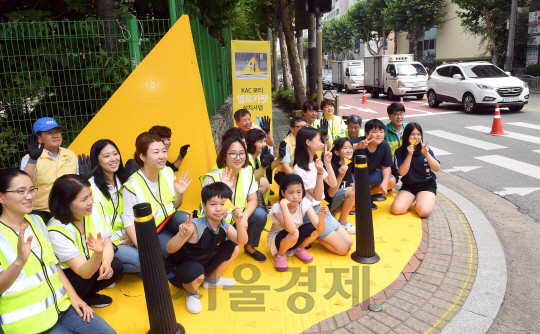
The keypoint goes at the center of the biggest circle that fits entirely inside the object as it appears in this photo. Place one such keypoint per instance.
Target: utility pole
(511, 35)
(319, 58)
(312, 55)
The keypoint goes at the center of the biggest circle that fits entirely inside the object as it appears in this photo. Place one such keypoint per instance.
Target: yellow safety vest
(243, 183)
(113, 215)
(160, 210)
(360, 133)
(32, 303)
(290, 140)
(93, 223)
(335, 131)
(47, 171)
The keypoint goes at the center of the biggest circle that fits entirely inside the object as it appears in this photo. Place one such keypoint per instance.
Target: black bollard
(156, 287)
(365, 240)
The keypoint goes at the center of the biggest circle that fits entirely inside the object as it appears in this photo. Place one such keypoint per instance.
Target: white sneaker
(193, 304)
(348, 227)
(223, 283)
(112, 286)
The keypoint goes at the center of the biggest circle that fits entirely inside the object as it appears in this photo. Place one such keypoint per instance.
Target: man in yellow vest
(46, 161)
(243, 120)
(286, 166)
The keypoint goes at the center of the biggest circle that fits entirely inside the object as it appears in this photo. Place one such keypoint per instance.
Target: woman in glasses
(234, 170)
(27, 262)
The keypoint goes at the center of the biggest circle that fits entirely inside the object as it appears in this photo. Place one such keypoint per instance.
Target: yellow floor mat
(305, 295)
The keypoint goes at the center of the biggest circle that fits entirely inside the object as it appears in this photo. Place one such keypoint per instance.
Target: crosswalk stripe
(537, 151)
(514, 165)
(525, 125)
(387, 104)
(513, 135)
(438, 151)
(484, 145)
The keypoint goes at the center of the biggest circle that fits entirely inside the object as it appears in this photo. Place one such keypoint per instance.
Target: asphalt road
(499, 174)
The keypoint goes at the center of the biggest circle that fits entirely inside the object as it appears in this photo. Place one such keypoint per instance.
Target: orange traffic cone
(497, 129)
(364, 98)
(401, 101)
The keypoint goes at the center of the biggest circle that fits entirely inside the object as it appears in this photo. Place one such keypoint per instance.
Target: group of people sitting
(67, 228)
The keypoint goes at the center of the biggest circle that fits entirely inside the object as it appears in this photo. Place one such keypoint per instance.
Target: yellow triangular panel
(165, 89)
(252, 68)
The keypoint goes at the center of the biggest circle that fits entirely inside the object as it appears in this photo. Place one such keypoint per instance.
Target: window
(429, 44)
(337, 11)
(455, 70)
(444, 71)
(411, 69)
(390, 68)
(484, 71)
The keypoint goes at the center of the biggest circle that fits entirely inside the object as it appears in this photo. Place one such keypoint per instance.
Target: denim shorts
(376, 178)
(331, 223)
(338, 199)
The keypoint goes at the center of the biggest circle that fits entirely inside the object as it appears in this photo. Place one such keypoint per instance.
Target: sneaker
(193, 304)
(281, 263)
(348, 227)
(304, 256)
(223, 283)
(353, 212)
(112, 286)
(378, 198)
(97, 300)
(373, 206)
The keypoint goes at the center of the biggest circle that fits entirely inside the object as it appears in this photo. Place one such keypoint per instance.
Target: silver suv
(476, 85)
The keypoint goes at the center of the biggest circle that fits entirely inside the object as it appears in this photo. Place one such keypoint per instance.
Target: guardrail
(533, 82)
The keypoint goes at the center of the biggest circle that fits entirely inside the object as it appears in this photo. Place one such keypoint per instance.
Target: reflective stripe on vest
(116, 226)
(244, 180)
(94, 223)
(138, 186)
(19, 311)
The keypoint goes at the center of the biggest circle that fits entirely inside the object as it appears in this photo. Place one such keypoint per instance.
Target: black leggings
(85, 287)
(304, 232)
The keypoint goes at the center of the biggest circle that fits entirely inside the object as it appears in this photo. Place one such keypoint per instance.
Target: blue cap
(45, 124)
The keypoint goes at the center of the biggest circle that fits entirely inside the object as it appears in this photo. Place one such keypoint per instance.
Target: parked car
(476, 85)
(327, 81)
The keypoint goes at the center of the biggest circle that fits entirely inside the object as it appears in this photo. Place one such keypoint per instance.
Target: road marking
(517, 191)
(484, 145)
(513, 135)
(463, 169)
(511, 164)
(537, 151)
(416, 115)
(422, 103)
(526, 125)
(438, 151)
(348, 106)
(387, 104)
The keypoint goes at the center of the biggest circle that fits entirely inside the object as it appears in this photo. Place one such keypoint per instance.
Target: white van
(395, 76)
(348, 75)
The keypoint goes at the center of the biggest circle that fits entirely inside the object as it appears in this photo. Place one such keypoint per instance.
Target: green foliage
(337, 35)
(367, 22)
(250, 16)
(11, 142)
(533, 70)
(285, 98)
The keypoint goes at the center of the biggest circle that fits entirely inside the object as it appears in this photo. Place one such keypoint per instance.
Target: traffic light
(319, 6)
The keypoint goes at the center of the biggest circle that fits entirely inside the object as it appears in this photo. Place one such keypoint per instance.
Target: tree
(414, 17)
(367, 22)
(488, 18)
(338, 36)
(284, 7)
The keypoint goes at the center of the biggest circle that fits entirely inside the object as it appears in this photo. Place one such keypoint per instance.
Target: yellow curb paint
(469, 274)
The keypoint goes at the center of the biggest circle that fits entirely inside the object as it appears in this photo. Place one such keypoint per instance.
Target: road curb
(487, 294)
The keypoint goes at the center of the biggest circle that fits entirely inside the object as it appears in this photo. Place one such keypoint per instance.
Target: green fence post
(172, 12)
(134, 46)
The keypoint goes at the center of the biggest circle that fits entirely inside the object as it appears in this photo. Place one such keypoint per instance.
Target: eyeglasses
(21, 192)
(399, 114)
(234, 155)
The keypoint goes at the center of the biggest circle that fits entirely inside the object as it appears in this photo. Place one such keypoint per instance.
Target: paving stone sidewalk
(431, 288)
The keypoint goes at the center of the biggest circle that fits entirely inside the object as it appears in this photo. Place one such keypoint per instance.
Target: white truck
(395, 76)
(348, 75)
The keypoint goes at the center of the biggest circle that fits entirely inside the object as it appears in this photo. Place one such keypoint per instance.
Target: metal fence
(533, 82)
(69, 69)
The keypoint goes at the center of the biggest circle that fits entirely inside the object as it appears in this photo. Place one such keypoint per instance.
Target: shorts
(331, 223)
(338, 199)
(304, 232)
(415, 188)
(187, 272)
(376, 178)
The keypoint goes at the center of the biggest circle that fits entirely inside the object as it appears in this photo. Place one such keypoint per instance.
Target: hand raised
(265, 124)
(324, 127)
(182, 184)
(237, 214)
(327, 156)
(183, 152)
(266, 157)
(85, 170)
(184, 230)
(282, 151)
(319, 165)
(343, 170)
(410, 149)
(33, 147)
(324, 211)
(95, 245)
(425, 149)
(23, 248)
(364, 143)
(227, 178)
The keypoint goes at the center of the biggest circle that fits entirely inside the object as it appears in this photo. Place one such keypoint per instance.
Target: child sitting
(341, 198)
(416, 163)
(379, 158)
(289, 235)
(201, 251)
